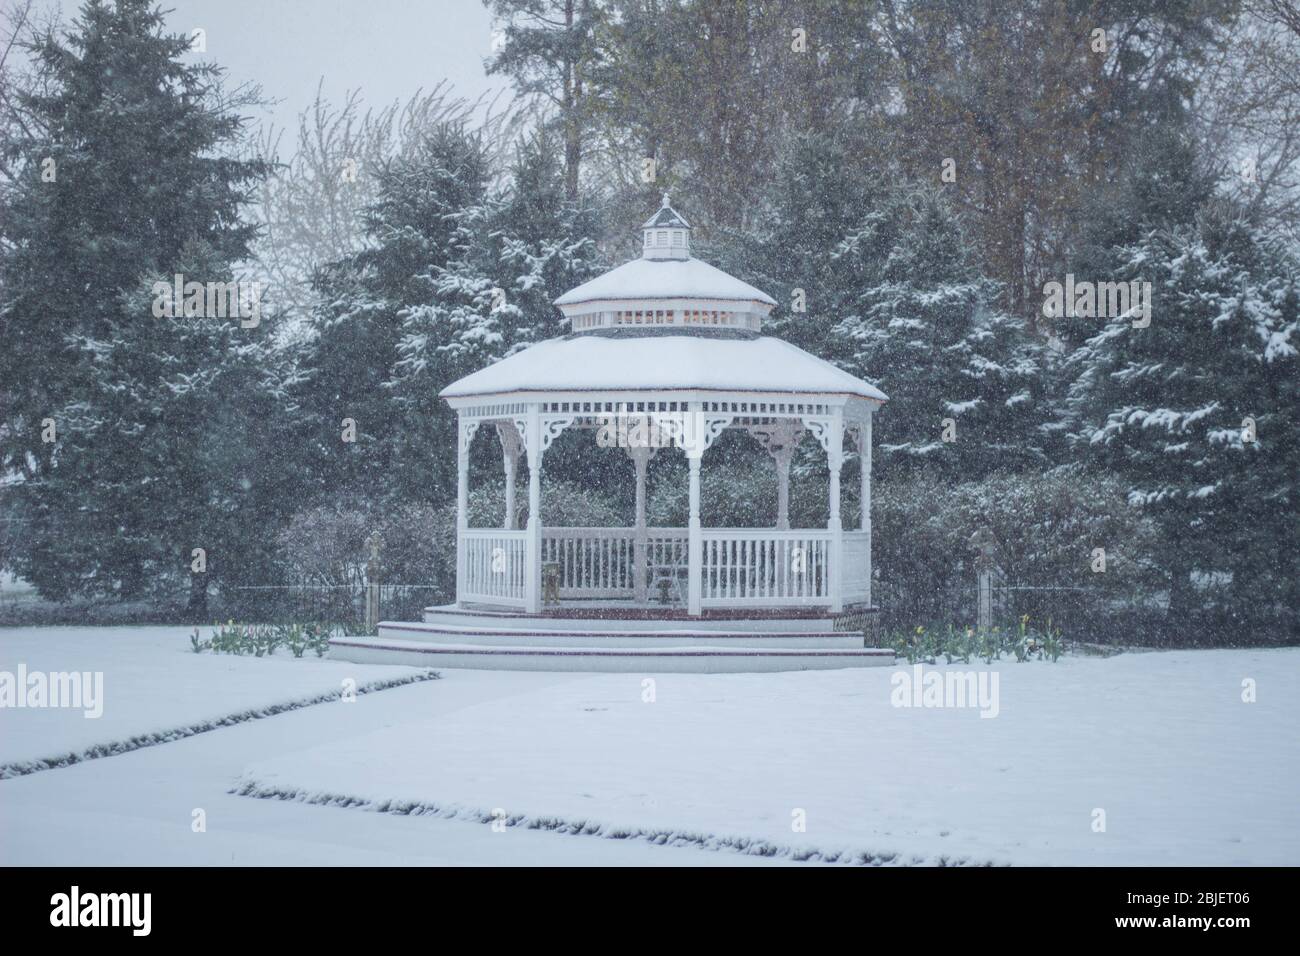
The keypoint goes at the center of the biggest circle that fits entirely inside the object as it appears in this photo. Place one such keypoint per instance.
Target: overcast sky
(386, 48)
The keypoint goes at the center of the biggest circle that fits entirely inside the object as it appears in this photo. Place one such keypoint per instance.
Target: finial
(665, 205)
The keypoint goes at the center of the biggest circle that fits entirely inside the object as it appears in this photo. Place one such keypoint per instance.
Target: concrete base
(497, 640)
(695, 660)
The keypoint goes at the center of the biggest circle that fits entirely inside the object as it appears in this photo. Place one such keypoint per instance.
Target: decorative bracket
(467, 431)
(823, 429)
(779, 439)
(552, 425)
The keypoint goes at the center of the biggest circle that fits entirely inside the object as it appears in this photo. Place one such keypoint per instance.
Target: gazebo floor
(627, 610)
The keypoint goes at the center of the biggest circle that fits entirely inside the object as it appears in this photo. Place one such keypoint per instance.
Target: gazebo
(664, 354)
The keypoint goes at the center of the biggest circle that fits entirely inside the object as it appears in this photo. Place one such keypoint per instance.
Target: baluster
(799, 586)
(748, 583)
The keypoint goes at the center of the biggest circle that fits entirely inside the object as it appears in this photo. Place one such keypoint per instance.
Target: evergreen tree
(817, 196)
(398, 321)
(549, 47)
(1197, 412)
(964, 380)
(124, 180)
(541, 244)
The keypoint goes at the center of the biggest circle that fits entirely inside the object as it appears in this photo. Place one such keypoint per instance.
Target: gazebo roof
(665, 218)
(675, 362)
(665, 279)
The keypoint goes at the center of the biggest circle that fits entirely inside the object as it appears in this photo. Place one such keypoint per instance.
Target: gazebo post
(462, 501)
(533, 538)
(835, 459)
(865, 466)
(695, 539)
(640, 456)
(782, 459)
(510, 448)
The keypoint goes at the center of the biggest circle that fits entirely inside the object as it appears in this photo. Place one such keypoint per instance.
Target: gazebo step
(704, 658)
(521, 632)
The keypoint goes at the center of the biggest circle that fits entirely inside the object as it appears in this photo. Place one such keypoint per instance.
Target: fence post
(372, 584)
(982, 543)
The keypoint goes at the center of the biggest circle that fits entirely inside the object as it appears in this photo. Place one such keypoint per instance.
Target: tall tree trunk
(572, 130)
(572, 157)
(1182, 598)
(197, 608)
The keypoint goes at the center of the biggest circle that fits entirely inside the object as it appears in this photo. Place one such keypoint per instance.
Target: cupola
(665, 288)
(666, 234)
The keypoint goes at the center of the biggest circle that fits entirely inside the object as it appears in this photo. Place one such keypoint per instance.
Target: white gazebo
(665, 352)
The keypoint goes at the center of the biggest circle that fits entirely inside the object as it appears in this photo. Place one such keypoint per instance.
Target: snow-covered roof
(663, 363)
(665, 279)
(666, 218)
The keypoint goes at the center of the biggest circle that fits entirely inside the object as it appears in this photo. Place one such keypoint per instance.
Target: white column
(695, 540)
(782, 458)
(533, 540)
(866, 494)
(510, 448)
(640, 459)
(462, 502)
(835, 459)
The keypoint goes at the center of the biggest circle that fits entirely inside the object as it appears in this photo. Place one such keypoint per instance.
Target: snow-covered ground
(1185, 771)
(138, 809)
(153, 683)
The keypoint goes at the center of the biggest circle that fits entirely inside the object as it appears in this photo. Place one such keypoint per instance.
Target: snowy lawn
(153, 684)
(1184, 770)
(137, 809)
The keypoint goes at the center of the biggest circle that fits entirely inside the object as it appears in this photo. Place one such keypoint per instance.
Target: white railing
(494, 566)
(758, 567)
(601, 562)
(594, 562)
(740, 567)
(666, 550)
(856, 557)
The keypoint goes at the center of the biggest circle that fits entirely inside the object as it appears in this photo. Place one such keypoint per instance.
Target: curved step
(695, 659)
(525, 633)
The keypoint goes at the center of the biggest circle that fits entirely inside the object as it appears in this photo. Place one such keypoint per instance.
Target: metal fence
(342, 606)
(1079, 611)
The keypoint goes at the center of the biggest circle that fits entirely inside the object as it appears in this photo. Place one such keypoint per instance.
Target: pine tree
(138, 186)
(398, 321)
(964, 380)
(548, 47)
(1197, 412)
(541, 244)
(816, 197)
